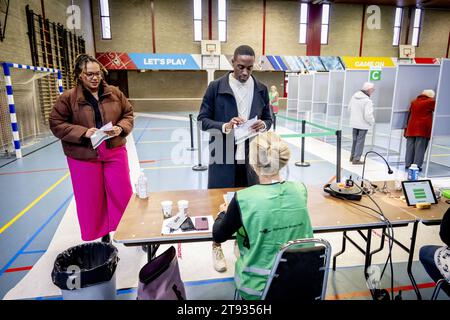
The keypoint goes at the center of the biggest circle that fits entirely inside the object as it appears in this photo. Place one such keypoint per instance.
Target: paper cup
(166, 208)
(183, 206)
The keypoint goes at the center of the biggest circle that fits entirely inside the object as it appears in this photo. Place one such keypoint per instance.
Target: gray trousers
(415, 150)
(359, 137)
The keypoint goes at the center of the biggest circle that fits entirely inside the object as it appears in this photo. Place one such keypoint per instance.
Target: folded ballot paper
(244, 131)
(99, 136)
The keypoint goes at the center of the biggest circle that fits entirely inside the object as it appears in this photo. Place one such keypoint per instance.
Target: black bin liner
(97, 262)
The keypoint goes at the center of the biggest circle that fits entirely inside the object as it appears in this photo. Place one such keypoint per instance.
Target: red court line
(153, 161)
(18, 269)
(32, 171)
(367, 293)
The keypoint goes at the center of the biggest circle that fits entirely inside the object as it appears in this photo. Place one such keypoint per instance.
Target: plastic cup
(166, 208)
(183, 206)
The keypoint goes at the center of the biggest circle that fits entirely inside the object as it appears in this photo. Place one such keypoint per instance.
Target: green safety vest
(271, 97)
(271, 215)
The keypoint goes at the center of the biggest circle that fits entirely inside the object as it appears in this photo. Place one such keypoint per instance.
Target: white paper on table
(167, 230)
(99, 136)
(227, 197)
(244, 131)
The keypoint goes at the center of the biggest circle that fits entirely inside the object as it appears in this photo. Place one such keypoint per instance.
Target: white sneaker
(237, 253)
(219, 259)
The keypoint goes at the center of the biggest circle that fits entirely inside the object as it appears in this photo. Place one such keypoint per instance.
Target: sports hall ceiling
(400, 3)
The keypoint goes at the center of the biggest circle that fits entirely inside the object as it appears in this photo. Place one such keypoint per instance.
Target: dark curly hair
(80, 63)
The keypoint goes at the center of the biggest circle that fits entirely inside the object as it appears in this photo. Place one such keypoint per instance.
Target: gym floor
(36, 191)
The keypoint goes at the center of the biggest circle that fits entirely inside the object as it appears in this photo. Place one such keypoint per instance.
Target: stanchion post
(192, 133)
(199, 167)
(338, 155)
(302, 162)
(274, 121)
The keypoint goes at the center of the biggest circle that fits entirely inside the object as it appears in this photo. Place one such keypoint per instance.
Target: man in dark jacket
(228, 102)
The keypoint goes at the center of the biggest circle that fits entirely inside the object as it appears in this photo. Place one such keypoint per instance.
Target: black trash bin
(87, 272)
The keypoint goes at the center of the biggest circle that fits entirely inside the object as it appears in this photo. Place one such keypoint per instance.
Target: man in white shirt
(230, 101)
(361, 119)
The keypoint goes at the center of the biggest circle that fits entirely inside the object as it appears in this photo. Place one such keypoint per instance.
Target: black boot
(106, 238)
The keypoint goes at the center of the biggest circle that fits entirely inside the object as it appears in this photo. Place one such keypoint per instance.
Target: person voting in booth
(418, 129)
(361, 119)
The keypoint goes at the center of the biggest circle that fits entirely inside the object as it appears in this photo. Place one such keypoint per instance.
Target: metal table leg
(151, 251)
(344, 241)
(410, 260)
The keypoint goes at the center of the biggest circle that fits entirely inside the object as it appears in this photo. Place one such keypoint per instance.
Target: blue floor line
(118, 292)
(209, 281)
(143, 131)
(6, 267)
(34, 252)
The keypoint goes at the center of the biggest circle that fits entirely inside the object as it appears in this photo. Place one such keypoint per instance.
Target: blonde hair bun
(268, 154)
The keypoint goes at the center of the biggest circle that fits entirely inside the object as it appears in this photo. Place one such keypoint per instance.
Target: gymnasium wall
(15, 47)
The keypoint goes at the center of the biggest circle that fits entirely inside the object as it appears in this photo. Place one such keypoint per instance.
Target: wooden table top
(142, 220)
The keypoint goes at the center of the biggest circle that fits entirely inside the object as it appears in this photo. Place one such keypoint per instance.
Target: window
(222, 17)
(397, 26)
(303, 23)
(105, 20)
(325, 24)
(197, 20)
(417, 27)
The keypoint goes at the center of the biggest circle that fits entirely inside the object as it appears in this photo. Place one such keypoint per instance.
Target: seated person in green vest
(264, 216)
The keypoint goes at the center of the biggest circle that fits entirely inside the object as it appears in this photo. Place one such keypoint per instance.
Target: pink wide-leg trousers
(102, 189)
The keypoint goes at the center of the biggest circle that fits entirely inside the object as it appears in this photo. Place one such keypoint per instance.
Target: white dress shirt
(243, 93)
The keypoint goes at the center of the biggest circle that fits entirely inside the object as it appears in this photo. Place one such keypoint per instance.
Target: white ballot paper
(227, 197)
(99, 136)
(243, 131)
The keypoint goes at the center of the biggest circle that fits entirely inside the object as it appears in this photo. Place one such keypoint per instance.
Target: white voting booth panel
(441, 122)
(320, 92)
(305, 89)
(335, 93)
(292, 99)
(410, 81)
(383, 95)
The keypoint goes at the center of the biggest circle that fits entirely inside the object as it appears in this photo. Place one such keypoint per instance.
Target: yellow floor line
(171, 167)
(32, 204)
(441, 155)
(440, 146)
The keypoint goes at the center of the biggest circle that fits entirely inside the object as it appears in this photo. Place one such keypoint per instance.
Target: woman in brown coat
(100, 176)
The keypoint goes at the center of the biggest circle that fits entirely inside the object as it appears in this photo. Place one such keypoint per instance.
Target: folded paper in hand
(244, 131)
(99, 136)
(227, 197)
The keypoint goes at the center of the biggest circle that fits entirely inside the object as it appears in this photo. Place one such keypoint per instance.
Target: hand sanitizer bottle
(142, 186)
(413, 172)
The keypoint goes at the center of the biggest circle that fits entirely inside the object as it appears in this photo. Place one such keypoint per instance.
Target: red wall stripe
(361, 40)
(152, 8)
(314, 30)
(210, 19)
(264, 29)
(448, 44)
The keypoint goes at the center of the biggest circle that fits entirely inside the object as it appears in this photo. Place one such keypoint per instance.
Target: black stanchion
(199, 167)
(302, 162)
(338, 155)
(274, 121)
(192, 133)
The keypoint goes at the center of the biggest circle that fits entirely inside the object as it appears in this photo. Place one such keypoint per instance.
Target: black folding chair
(441, 284)
(300, 271)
